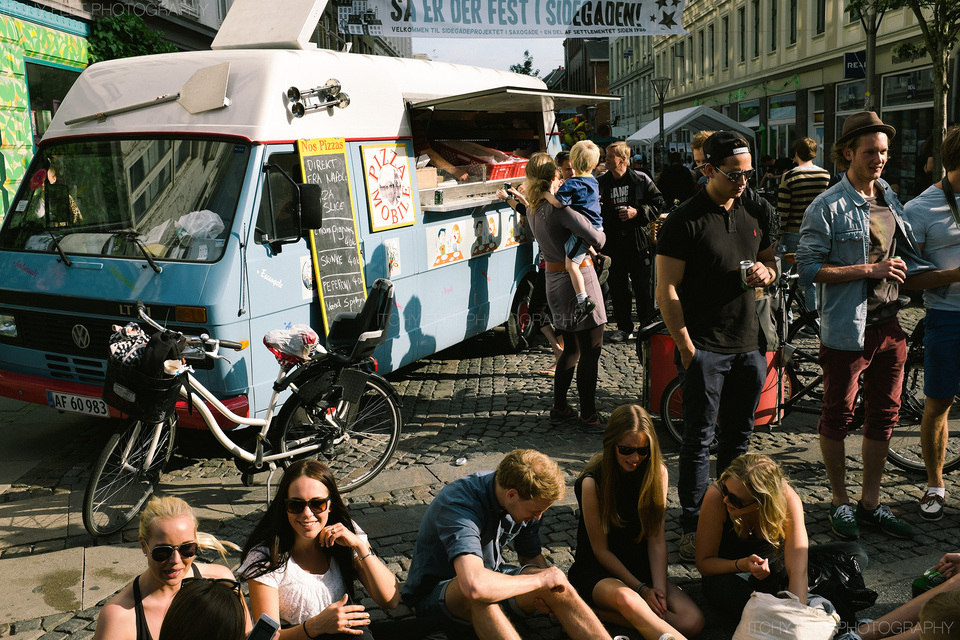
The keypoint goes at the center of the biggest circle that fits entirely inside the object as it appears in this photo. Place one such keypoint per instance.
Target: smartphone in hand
(265, 628)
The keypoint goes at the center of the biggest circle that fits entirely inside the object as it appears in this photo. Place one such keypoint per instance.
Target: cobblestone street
(475, 401)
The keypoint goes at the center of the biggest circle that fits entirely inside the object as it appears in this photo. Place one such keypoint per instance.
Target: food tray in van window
(497, 165)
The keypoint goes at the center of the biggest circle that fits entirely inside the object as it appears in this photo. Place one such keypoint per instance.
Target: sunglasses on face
(317, 505)
(163, 552)
(227, 582)
(735, 501)
(629, 451)
(735, 176)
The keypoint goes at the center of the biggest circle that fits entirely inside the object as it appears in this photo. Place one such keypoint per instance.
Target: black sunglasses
(734, 499)
(227, 582)
(317, 505)
(734, 176)
(629, 451)
(162, 552)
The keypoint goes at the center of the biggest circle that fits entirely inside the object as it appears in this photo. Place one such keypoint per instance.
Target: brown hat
(863, 122)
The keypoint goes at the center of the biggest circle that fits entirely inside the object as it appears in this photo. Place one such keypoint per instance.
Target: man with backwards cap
(855, 245)
(711, 314)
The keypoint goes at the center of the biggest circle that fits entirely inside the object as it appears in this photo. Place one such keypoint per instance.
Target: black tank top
(143, 631)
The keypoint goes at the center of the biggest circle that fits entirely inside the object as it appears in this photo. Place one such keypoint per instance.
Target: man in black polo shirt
(712, 317)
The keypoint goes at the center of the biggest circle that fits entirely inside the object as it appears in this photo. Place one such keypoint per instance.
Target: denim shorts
(434, 604)
(941, 354)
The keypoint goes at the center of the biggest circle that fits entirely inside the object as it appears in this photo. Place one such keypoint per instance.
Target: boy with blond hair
(582, 194)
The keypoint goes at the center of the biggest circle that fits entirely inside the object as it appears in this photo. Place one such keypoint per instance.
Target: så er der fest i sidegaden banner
(522, 18)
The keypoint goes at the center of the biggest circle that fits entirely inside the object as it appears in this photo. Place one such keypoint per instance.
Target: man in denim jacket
(855, 245)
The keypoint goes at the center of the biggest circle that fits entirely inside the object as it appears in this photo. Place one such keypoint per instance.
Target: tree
(526, 67)
(125, 35)
(940, 25)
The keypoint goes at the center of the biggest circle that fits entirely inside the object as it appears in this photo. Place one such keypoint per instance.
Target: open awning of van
(511, 99)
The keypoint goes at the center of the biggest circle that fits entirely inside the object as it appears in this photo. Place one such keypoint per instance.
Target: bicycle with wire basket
(338, 409)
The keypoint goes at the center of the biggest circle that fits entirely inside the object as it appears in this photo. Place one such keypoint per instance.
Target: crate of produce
(481, 161)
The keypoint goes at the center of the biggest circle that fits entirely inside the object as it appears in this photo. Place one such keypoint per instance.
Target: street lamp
(660, 84)
(870, 19)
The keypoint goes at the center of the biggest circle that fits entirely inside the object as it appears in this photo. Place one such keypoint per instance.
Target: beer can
(930, 579)
(438, 197)
(744, 267)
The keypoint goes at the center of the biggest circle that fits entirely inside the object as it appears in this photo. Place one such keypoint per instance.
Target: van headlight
(8, 325)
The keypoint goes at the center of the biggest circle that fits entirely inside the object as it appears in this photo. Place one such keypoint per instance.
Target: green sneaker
(843, 522)
(884, 519)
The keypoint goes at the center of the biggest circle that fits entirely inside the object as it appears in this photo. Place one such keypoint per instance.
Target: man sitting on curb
(457, 571)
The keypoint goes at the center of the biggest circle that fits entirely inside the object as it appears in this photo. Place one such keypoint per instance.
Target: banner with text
(511, 18)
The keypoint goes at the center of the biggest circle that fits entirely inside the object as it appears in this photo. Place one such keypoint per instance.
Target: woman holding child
(171, 544)
(583, 341)
(620, 566)
(303, 557)
(751, 536)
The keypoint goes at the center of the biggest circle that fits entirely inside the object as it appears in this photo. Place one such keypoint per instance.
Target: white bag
(767, 616)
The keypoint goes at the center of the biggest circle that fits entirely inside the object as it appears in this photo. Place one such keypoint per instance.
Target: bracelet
(370, 553)
(307, 633)
(736, 565)
(639, 589)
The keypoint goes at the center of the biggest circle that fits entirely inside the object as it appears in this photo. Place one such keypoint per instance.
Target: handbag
(836, 575)
(783, 616)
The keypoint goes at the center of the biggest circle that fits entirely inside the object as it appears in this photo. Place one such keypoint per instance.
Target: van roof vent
(279, 24)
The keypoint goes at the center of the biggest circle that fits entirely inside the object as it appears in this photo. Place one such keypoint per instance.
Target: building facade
(586, 70)
(790, 69)
(631, 75)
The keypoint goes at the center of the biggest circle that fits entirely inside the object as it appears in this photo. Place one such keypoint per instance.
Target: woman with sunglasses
(303, 557)
(206, 609)
(620, 566)
(751, 536)
(170, 541)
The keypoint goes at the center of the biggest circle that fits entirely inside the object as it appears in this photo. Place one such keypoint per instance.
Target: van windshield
(175, 199)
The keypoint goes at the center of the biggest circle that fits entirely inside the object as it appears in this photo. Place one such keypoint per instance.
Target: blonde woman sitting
(170, 542)
(751, 536)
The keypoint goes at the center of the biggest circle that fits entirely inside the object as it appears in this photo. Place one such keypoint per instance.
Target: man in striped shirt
(798, 187)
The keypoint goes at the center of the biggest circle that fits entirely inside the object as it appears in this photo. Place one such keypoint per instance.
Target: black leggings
(581, 350)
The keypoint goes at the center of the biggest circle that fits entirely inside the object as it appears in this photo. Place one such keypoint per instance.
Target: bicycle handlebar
(204, 340)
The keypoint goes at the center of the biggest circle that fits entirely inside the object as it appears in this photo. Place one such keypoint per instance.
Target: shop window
(749, 113)
(850, 96)
(908, 88)
(46, 87)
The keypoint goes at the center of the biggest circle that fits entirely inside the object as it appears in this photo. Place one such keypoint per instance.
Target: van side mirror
(311, 207)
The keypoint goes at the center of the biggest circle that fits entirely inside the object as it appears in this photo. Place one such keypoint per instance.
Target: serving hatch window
(173, 198)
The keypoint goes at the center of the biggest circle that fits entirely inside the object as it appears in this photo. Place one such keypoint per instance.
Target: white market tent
(693, 118)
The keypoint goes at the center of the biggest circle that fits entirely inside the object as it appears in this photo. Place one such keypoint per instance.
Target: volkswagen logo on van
(80, 335)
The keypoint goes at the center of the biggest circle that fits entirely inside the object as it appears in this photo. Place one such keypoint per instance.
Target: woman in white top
(303, 557)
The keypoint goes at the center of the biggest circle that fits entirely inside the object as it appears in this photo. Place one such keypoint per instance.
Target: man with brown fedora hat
(856, 247)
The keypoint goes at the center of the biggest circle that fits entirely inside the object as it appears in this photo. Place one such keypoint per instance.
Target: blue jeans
(720, 390)
(788, 244)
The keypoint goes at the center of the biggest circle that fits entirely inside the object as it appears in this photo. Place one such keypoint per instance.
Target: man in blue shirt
(457, 570)
(855, 245)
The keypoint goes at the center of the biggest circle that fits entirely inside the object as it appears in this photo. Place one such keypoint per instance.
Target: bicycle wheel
(671, 412)
(126, 474)
(905, 447)
(359, 450)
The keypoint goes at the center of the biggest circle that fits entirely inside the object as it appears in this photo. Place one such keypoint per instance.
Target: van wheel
(520, 324)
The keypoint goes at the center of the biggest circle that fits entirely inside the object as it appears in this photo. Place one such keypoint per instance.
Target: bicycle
(338, 408)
